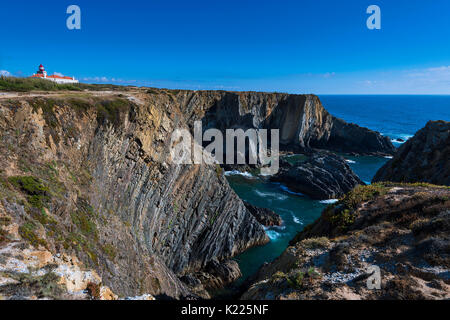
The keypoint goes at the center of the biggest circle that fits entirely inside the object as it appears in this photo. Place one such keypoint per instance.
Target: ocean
(398, 117)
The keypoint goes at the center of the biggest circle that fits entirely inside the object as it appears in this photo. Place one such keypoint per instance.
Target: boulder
(264, 216)
(322, 175)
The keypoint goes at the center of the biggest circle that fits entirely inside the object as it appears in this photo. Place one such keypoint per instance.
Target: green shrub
(84, 221)
(38, 195)
(3, 235)
(315, 243)
(362, 194)
(34, 84)
(27, 232)
(5, 221)
(111, 110)
(45, 286)
(219, 171)
(110, 251)
(277, 276)
(296, 281)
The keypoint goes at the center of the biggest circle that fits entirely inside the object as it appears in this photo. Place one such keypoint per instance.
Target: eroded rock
(423, 158)
(320, 175)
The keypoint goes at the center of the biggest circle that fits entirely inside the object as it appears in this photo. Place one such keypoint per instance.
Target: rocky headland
(92, 206)
(89, 175)
(302, 120)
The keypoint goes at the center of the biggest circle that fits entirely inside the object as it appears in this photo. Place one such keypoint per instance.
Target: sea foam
(237, 172)
(329, 201)
(270, 195)
(272, 234)
(286, 189)
(296, 220)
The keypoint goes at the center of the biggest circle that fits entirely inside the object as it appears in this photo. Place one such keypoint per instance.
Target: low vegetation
(38, 195)
(14, 84)
(362, 194)
(111, 110)
(28, 232)
(84, 219)
(296, 279)
(42, 287)
(315, 243)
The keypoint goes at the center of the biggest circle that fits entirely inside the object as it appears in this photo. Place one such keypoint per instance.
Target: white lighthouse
(41, 73)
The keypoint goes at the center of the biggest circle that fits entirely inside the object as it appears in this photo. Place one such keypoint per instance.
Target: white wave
(296, 220)
(404, 137)
(329, 201)
(272, 234)
(397, 141)
(270, 195)
(237, 172)
(286, 189)
(350, 161)
(389, 157)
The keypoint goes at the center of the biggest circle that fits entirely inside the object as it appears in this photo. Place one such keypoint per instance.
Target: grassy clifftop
(12, 84)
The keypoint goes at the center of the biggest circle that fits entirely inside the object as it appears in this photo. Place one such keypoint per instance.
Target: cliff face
(90, 175)
(423, 158)
(401, 230)
(87, 180)
(302, 120)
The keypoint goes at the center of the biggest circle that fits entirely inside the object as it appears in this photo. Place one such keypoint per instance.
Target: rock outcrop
(423, 158)
(320, 175)
(394, 235)
(351, 138)
(264, 216)
(89, 175)
(302, 120)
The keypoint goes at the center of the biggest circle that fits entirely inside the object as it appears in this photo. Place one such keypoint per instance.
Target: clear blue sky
(317, 46)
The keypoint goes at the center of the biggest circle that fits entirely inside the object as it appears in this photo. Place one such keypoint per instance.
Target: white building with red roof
(42, 74)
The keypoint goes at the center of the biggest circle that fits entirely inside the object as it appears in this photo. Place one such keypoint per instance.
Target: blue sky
(299, 46)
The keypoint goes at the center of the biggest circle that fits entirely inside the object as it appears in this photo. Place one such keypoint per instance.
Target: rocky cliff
(87, 183)
(423, 158)
(89, 175)
(394, 235)
(302, 120)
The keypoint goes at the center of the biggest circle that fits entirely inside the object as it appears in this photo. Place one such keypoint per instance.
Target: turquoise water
(296, 210)
(398, 117)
